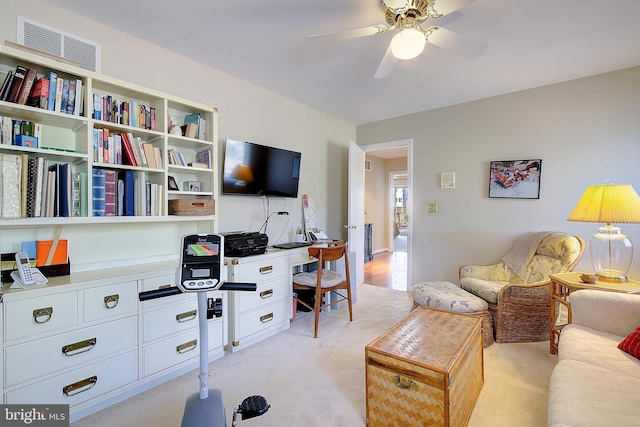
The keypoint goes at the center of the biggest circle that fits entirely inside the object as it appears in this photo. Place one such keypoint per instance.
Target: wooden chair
(328, 281)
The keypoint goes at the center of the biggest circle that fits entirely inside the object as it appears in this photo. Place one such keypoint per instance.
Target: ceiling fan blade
(386, 66)
(444, 7)
(455, 43)
(348, 34)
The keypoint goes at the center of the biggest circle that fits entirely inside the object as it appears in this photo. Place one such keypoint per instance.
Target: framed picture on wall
(515, 179)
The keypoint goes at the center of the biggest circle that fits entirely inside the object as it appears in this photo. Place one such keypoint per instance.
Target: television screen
(259, 170)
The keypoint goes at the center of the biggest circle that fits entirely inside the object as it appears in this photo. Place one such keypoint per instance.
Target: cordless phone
(26, 274)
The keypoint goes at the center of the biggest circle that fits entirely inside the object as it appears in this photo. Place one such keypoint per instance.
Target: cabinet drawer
(263, 318)
(81, 384)
(179, 348)
(169, 320)
(300, 257)
(40, 315)
(267, 293)
(154, 283)
(260, 270)
(108, 301)
(36, 358)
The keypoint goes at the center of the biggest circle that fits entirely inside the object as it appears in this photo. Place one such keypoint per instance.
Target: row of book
(124, 149)
(194, 126)
(202, 158)
(20, 132)
(132, 114)
(34, 187)
(49, 92)
(125, 193)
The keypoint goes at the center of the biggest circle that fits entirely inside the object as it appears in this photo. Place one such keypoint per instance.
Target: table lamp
(611, 252)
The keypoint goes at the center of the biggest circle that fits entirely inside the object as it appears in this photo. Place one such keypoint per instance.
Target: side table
(562, 285)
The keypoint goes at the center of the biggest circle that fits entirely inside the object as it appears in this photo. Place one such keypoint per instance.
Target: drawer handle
(266, 270)
(80, 387)
(403, 382)
(266, 294)
(79, 347)
(186, 316)
(188, 346)
(42, 315)
(266, 318)
(111, 301)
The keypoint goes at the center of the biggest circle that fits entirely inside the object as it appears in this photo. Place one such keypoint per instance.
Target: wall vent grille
(367, 165)
(47, 39)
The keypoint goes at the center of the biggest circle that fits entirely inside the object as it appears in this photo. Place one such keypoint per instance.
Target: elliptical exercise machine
(201, 258)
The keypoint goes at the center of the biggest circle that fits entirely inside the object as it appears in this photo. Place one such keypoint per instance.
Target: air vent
(367, 165)
(47, 39)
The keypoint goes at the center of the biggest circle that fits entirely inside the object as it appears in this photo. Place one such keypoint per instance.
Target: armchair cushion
(486, 289)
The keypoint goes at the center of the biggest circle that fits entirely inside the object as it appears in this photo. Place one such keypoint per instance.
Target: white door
(356, 210)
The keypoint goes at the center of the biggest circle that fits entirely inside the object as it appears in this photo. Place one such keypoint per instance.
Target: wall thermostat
(447, 180)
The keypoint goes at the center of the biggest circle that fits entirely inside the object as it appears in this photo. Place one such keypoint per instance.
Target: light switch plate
(432, 207)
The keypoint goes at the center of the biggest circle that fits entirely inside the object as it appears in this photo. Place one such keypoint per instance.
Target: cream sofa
(595, 384)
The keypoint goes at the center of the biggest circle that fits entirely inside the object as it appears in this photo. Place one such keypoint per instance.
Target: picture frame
(515, 179)
(172, 184)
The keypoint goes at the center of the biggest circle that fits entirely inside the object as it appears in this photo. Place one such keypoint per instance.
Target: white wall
(246, 112)
(585, 131)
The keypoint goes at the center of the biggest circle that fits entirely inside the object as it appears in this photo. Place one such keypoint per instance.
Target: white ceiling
(530, 43)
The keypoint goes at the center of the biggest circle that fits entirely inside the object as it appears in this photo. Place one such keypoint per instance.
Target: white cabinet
(258, 315)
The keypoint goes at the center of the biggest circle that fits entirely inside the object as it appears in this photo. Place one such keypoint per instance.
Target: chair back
(330, 253)
(556, 253)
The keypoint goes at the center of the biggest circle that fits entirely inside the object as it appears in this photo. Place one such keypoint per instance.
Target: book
(150, 156)
(204, 156)
(97, 107)
(31, 186)
(128, 178)
(120, 196)
(129, 157)
(58, 100)
(6, 86)
(6, 129)
(76, 194)
(54, 177)
(18, 77)
(158, 157)
(194, 120)
(65, 96)
(78, 102)
(65, 190)
(39, 96)
(24, 182)
(52, 77)
(99, 178)
(10, 178)
(71, 98)
(27, 85)
(111, 182)
(40, 188)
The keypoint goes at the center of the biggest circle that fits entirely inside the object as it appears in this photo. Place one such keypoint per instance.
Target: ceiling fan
(408, 16)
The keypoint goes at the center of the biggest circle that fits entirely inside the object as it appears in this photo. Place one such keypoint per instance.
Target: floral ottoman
(449, 297)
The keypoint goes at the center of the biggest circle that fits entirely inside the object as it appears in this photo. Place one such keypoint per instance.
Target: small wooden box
(425, 371)
(189, 207)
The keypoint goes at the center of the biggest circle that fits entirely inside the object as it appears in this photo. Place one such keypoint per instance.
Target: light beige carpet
(321, 382)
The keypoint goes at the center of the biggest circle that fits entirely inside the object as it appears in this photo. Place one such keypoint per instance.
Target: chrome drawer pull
(403, 382)
(188, 346)
(42, 315)
(266, 270)
(111, 301)
(186, 316)
(80, 387)
(79, 347)
(266, 294)
(266, 318)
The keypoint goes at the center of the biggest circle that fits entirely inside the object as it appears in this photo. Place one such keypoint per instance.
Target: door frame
(396, 144)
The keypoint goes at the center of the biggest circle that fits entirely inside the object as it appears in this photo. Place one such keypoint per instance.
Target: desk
(562, 285)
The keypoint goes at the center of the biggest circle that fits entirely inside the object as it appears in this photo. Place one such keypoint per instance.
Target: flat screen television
(260, 170)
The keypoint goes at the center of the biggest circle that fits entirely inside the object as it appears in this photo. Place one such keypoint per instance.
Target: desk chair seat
(326, 281)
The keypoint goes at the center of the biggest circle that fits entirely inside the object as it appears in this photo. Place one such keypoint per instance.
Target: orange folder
(60, 256)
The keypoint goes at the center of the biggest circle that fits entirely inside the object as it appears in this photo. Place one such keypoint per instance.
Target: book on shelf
(158, 157)
(204, 157)
(11, 165)
(181, 159)
(40, 186)
(54, 189)
(6, 86)
(192, 119)
(65, 96)
(152, 118)
(129, 157)
(32, 181)
(202, 128)
(24, 180)
(52, 77)
(149, 154)
(6, 130)
(137, 146)
(198, 165)
(97, 106)
(27, 85)
(99, 177)
(18, 77)
(110, 186)
(65, 191)
(128, 178)
(71, 98)
(58, 100)
(79, 201)
(39, 96)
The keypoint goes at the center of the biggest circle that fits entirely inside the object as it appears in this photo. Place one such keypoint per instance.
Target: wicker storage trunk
(425, 371)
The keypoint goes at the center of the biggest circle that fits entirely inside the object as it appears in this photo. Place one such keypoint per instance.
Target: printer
(240, 244)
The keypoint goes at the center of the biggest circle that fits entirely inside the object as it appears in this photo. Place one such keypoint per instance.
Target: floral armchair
(518, 291)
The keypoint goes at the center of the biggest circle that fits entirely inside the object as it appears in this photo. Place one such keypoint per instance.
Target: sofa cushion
(631, 344)
(485, 289)
(582, 394)
(598, 348)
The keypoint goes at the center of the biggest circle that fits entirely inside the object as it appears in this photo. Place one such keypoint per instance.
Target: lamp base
(622, 279)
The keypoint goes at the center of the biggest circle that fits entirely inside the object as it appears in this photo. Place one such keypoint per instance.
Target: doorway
(388, 208)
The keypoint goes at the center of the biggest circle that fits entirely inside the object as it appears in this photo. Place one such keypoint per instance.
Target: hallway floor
(387, 270)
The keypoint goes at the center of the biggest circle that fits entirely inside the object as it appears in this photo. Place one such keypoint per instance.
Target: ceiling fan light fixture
(408, 43)
(397, 4)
